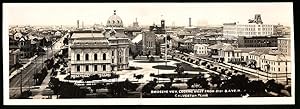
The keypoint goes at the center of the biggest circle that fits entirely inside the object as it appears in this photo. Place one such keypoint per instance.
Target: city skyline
(202, 14)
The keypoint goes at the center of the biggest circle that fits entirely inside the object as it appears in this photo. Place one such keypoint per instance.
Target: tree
(171, 79)
(65, 41)
(216, 79)
(179, 69)
(151, 59)
(140, 76)
(55, 85)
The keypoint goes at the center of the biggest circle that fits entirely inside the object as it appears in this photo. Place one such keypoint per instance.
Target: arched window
(78, 57)
(95, 56)
(86, 56)
(104, 56)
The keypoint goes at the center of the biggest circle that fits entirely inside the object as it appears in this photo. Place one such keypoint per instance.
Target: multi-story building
(253, 28)
(99, 53)
(218, 51)
(13, 57)
(284, 45)
(214, 40)
(149, 43)
(278, 66)
(201, 49)
(257, 41)
(158, 30)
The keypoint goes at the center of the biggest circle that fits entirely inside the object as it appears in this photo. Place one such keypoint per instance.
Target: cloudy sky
(146, 13)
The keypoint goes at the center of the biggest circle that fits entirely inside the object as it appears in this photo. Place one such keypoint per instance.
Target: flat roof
(87, 35)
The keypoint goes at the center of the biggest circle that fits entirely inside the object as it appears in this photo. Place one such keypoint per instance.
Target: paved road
(35, 67)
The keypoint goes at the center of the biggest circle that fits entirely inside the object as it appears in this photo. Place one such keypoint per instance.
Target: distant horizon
(202, 14)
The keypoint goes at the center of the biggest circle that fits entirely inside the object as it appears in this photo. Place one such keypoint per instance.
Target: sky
(146, 13)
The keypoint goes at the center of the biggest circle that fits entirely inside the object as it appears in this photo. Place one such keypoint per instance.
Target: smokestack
(77, 24)
(190, 22)
(82, 24)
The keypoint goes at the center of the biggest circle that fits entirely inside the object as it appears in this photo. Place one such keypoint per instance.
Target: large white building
(201, 49)
(252, 28)
(99, 53)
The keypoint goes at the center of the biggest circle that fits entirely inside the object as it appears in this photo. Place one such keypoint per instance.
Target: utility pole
(21, 81)
(166, 54)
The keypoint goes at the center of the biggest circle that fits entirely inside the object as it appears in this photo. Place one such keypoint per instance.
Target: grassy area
(164, 67)
(147, 61)
(175, 75)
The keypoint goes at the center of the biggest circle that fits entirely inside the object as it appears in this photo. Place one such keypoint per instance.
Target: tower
(162, 22)
(257, 19)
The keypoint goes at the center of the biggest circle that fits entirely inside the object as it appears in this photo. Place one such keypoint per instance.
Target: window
(278, 63)
(86, 56)
(78, 57)
(95, 56)
(78, 68)
(112, 53)
(87, 68)
(104, 56)
(95, 68)
(104, 67)
(120, 60)
(112, 60)
(279, 69)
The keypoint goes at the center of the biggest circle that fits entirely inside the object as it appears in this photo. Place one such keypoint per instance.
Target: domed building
(99, 53)
(114, 22)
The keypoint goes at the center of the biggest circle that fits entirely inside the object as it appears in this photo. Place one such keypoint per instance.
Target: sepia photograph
(148, 53)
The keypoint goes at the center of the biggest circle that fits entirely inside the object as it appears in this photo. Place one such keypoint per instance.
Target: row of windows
(271, 68)
(232, 54)
(114, 21)
(95, 68)
(259, 41)
(149, 44)
(269, 62)
(95, 56)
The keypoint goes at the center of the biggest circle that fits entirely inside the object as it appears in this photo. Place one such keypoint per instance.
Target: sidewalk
(17, 71)
(43, 86)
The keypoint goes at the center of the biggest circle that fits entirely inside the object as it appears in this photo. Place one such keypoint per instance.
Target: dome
(114, 21)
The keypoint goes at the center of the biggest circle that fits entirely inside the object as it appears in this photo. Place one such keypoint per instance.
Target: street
(35, 67)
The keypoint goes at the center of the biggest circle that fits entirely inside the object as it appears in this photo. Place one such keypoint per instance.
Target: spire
(114, 12)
